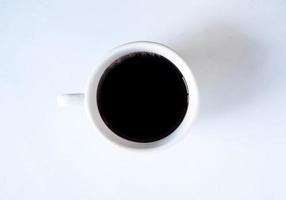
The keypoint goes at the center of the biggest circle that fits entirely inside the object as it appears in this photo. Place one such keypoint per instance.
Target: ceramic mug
(89, 99)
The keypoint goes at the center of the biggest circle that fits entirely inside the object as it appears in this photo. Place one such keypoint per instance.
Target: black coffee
(142, 97)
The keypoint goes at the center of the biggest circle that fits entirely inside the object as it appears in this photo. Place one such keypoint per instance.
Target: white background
(236, 148)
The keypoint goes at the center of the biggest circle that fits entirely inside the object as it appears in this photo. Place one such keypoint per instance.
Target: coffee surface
(142, 97)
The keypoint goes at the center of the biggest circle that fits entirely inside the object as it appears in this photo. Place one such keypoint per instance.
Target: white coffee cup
(90, 101)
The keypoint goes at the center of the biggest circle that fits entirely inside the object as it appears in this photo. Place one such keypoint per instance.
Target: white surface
(236, 148)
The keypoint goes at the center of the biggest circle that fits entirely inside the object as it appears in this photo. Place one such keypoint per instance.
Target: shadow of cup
(226, 64)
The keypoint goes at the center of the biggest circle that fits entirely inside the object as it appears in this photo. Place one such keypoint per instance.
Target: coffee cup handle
(72, 99)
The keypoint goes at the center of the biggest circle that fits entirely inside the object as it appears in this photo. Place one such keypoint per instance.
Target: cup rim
(133, 47)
